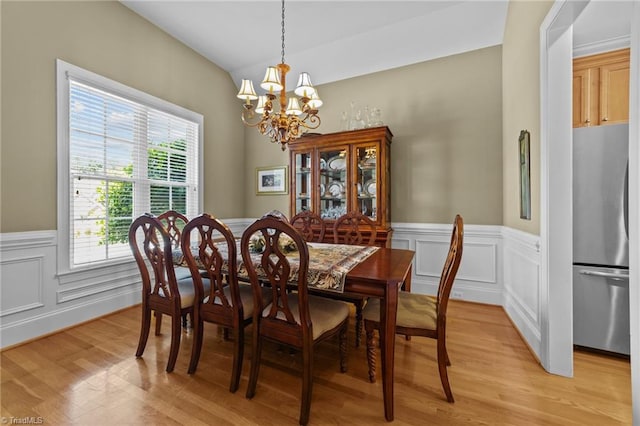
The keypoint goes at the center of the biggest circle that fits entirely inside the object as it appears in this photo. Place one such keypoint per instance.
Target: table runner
(328, 263)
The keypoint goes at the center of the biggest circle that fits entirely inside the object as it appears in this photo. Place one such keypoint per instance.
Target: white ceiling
(332, 40)
(335, 40)
(605, 23)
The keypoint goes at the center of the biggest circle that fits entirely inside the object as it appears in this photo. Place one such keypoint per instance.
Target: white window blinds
(125, 158)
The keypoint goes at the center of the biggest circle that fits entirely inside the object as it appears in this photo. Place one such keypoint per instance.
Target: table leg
(388, 311)
(406, 286)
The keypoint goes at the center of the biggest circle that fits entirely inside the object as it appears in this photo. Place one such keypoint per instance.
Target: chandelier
(293, 119)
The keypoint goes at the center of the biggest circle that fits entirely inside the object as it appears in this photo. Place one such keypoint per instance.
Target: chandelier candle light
(292, 120)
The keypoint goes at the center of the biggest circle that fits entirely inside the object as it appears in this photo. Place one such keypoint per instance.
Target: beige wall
(260, 152)
(454, 150)
(108, 39)
(521, 105)
(446, 117)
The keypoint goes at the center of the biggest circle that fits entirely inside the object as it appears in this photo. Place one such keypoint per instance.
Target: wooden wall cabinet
(601, 89)
(336, 173)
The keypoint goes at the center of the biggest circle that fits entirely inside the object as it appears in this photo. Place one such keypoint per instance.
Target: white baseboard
(58, 319)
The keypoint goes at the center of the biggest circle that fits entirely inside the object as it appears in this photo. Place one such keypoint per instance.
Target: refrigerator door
(600, 160)
(601, 308)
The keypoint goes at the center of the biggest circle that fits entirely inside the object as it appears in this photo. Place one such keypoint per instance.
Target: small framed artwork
(272, 180)
(525, 175)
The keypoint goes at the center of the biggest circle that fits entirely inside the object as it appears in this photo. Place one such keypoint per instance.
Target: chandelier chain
(282, 31)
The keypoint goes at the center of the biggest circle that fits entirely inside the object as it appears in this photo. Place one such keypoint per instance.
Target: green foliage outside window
(163, 165)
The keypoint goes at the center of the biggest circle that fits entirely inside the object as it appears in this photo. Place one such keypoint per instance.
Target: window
(121, 153)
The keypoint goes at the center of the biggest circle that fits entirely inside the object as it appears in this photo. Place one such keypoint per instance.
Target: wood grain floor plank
(89, 375)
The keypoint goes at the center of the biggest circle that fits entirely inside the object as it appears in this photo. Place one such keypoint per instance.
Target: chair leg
(307, 384)
(144, 331)
(371, 353)
(442, 369)
(255, 363)
(196, 348)
(359, 307)
(176, 332)
(343, 346)
(238, 354)
(158, 316)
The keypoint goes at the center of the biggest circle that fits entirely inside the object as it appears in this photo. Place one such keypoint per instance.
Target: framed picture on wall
(272, 180)
(525, 175)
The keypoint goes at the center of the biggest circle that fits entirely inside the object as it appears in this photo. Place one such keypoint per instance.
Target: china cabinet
(336, 173)
(601, 89)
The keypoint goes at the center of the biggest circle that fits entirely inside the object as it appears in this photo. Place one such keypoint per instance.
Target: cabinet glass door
(303, 182)
(333, 182)
(366, 180)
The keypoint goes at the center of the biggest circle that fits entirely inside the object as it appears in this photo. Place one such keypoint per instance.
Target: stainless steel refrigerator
(601, 238)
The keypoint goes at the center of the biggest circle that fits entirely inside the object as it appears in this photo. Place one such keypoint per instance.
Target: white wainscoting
(35, 300)
(522, 290)
(479, 278)
(499, 266)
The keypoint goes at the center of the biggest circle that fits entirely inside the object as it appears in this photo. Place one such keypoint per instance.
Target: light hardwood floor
(88, 375)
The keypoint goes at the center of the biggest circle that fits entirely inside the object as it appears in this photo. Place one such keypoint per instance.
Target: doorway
(556, 41)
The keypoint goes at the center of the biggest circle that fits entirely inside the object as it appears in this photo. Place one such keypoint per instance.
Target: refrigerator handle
(625, 201)
(605, 274)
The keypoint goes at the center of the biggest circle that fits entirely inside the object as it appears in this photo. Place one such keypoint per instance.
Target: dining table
(383, 274)
(367, 271)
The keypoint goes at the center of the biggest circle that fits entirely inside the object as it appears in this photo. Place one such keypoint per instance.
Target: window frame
(64, 71)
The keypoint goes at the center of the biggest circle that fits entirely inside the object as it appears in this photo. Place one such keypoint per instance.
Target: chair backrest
(450, 268)
(173, 222)
(354, 228)
(151, 246)
(276, 266)
(310, 225)
(208, 246)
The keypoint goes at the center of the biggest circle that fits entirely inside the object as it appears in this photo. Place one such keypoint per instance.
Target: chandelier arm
(248, 123)
(310, 121)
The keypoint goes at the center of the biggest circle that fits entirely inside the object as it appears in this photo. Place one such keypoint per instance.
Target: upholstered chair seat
(414, 311)
(246, 295)
(326, 314)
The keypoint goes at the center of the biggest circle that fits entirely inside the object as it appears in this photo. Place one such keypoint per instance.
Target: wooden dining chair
(356, 229)
(173, 222)
(162, 293)
(310, 225)
(210, 247)
(422, 315)
(295, 318)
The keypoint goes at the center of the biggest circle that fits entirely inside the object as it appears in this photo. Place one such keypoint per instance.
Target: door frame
(556, 45)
